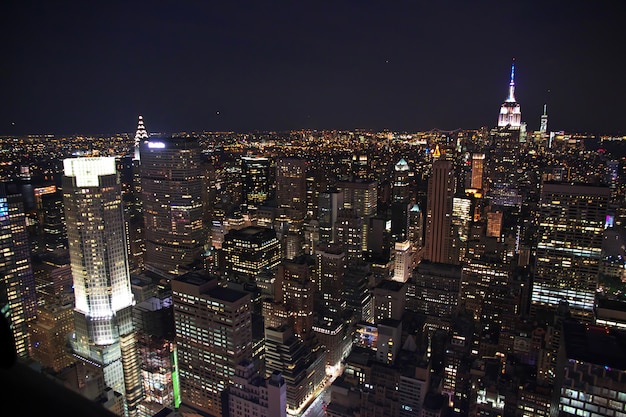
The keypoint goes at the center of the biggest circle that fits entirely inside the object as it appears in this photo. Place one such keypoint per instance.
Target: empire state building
(510, 112)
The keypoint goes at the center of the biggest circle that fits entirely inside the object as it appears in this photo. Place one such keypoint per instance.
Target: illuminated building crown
(140, 134)
(510, 112)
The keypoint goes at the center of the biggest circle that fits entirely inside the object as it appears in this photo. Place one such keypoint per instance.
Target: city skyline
(74, 68)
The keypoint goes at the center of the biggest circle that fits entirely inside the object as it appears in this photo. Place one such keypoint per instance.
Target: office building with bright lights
(104, 335)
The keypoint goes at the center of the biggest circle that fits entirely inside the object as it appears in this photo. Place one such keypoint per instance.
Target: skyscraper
(569, 247)
(291, 185)
(17, 282)
(543, 127)
(140, 135)
(171, 189)
(510, 112)
(104, 334)
(255, 173)
(439, 201)
(400, 205)
(478, 160)
(329, 204)
(247, 252)
(214, 335)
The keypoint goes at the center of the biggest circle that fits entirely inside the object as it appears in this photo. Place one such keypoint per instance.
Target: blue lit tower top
(511, 97)
(510, 112)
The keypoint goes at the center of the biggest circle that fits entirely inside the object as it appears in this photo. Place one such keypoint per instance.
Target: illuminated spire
(543, 127)
(512, 84)
(436, 152)
(510, 112)
(140, 134)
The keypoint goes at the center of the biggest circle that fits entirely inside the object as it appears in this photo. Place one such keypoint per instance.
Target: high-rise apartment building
(214, 335)
(569, 248)
(439, 202)
(104, 335)
(171, 190)
(17, 282)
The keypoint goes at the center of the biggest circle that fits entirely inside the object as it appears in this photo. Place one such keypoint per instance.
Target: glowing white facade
(98, 256)
(403, 262)
(510, 112)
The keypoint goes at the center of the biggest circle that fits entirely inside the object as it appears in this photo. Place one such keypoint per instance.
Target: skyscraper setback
(104, 335)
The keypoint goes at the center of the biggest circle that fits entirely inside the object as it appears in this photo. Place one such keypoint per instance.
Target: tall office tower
(400, 204)
(569, 248)
(379, 241)
(403, 261)
(331, 270)
(434, 291)
(252, 395)
(401, 190)
(140, 135)
(301, 365)
(461, 222)
(349, 233)
(360, 196)
(171, 189)
(17, 286)
(255, 181)
(439, 202)
(291, 186)
(214, 335)
(104, 335)
(416, 226)
(53, 221)
(510, 112)
(478, 160)
(487, 292)
(329, 204)
(543, 127)
(248, 252)
(356, 292)
(298, 293)
(154, 324)
(363, 198)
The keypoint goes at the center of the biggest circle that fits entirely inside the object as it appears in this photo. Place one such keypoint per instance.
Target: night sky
(71, 67)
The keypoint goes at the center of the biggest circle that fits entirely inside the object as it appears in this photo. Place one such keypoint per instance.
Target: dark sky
(92, 67)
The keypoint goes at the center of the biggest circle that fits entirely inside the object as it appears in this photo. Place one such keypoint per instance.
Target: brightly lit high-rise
(569, 247)
(104, 336)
